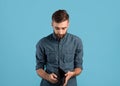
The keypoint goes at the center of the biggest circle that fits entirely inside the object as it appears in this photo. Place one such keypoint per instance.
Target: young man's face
(60, 29)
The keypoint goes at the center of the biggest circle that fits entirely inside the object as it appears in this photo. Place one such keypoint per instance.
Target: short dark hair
(60, 16)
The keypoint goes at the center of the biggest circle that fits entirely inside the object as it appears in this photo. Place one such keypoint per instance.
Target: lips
(60, 35)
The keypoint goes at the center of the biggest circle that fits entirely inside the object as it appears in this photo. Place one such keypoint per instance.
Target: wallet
(61, 76)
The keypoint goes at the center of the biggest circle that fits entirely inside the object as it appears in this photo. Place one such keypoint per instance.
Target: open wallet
(61, 76)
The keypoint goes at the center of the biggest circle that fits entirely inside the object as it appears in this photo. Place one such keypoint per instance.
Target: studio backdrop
(24, 22)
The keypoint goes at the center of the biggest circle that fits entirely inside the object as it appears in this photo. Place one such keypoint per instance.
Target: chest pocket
(68, 56)
(51, 56)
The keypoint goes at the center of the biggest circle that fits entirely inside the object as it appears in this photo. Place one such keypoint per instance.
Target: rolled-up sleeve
(79, 55)
(40, 57)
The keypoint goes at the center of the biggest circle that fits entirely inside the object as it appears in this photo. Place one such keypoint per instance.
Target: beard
(60, 36)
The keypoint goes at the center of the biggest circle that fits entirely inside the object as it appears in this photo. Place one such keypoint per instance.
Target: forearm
(42, 73)
(71, 74)
(77, 71)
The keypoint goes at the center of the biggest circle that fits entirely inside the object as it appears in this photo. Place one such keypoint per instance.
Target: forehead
(61, 24)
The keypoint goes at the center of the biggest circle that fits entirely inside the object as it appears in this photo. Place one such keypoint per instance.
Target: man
(59, 55)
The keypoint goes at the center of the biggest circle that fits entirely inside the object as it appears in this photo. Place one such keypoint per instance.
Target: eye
(57, 28)
(63, 28)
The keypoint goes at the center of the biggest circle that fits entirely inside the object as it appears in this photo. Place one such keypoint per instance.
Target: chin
(61, 36)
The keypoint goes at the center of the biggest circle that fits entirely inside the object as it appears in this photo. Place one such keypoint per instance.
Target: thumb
(66, 74)
(65, 83)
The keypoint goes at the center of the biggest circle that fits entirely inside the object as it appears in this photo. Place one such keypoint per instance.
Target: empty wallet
(61, 76)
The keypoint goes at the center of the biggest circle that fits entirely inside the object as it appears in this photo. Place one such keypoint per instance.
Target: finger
(54, 78)
(66, 80)
(53, 81)
(54, 75)
(66, 74)
(65, 83)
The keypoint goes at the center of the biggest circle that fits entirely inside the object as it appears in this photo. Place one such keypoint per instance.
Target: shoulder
(75, 37)
(43, 40)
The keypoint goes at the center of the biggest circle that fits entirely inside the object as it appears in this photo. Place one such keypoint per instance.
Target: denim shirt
(65, 53)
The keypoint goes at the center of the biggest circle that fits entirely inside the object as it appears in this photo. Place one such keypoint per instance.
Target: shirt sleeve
(79, 55)
(40, 56)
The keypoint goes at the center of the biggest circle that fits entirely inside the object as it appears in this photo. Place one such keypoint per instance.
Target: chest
(56, 51)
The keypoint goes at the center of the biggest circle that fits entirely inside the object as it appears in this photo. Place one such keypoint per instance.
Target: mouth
(60, 35)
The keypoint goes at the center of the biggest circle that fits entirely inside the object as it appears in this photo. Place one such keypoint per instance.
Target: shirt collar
(55, 37)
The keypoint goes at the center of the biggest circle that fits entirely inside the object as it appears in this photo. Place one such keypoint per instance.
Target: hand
(68, 75)
(52, 78)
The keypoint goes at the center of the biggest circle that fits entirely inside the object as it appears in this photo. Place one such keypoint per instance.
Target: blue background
(24, 22)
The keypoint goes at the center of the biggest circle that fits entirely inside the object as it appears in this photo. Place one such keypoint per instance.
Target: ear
(68, 22)
(52, 23)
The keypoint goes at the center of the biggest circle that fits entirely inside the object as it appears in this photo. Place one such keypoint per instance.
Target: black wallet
(61, 76)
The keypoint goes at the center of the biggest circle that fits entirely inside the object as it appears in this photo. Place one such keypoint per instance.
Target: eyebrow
(60, 27)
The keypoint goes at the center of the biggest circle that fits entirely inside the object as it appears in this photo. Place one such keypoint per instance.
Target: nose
(60, 31)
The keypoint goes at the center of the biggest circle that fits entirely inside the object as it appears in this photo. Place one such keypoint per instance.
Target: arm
(78, 59)
(42, 74)
(76, 71)
(49, 77)
(71, 74)
(40, 62)
(77, 62)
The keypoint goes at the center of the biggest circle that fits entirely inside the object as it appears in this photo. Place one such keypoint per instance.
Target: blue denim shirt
(65, 53)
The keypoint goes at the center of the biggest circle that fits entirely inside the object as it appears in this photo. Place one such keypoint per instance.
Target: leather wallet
(61, 76)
